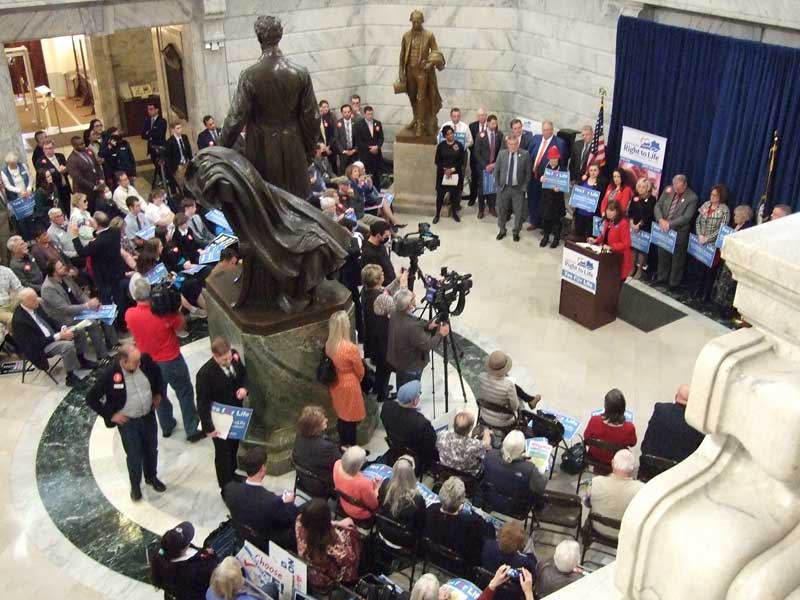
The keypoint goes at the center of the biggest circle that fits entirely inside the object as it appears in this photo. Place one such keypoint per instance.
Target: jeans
(176, 374)
(140, 441)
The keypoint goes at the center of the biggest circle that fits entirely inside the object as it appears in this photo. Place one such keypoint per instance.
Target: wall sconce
(214, 46)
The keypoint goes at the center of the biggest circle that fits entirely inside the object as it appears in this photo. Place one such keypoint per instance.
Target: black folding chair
(445, 559)
(514, 507)
(247, 533)
(311, 484)
(651, 465)
(363, 525)
(597, 467)
(398, 448)
(399, 542)
(590, 536)
(29, 366)
(496, 408)
(442, 473)
(563, 511)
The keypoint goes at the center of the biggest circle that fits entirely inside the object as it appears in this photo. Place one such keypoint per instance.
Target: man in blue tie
(511, 175)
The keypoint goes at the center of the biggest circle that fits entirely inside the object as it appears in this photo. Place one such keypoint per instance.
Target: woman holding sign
(616, 237)
(551, 203)
(713, 214)
(582, 219)
(449, 172)
(640, 216)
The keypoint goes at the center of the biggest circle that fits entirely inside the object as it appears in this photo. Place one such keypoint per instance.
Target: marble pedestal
(415, 175)
(281, 353)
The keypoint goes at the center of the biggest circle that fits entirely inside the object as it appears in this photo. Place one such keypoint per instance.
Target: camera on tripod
(413, 244)
(445, 290)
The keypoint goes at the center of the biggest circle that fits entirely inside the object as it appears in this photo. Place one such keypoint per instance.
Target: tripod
(448, 344)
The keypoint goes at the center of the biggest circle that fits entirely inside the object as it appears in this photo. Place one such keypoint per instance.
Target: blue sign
(461, 589)
(224, 240)
(584, 198)
(22, 208)
(377, 471)
(665, 240)
(211, 255)
(460, 137)
(231, 422)
(597, 226)
(194, 269)
(146, 233)
(556, 180)
(724, 232)
(702, 252)
(427, 494)
(640, 240)
(216, 216)
(157, 274)
(628, 414)
(488, 185)
(105, 313)
(571, 424)
(389, 198)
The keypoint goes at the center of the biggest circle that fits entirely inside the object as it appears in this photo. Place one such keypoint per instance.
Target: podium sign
(589, 285)
(579, 270)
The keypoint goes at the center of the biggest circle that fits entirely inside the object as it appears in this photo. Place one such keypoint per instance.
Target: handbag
(573, 460)
(372, 587)
(368, 382)
(326, 372)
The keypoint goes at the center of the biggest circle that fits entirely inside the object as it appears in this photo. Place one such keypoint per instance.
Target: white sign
(294, 565)
(261, 569)
(579, 270)
(641, 154)
(532, 125)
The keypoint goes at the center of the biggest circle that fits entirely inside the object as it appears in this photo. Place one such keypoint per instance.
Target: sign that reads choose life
(579, 270)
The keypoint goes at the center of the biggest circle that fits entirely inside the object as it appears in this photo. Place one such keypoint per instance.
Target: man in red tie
(538, 148)
(674, 211)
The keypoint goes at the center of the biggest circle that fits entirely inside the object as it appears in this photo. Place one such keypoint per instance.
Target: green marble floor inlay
(78, 507)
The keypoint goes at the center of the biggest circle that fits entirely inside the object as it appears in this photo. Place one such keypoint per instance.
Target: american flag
(597, 149)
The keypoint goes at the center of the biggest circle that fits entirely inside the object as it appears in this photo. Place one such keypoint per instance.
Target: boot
(436, 218)
(556, 238)
(545, 239)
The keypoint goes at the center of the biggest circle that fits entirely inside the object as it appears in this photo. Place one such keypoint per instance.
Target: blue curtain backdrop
(717, 100)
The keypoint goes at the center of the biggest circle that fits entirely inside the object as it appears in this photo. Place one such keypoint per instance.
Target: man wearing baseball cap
(132, 390)
(180, 568)
(408, 429)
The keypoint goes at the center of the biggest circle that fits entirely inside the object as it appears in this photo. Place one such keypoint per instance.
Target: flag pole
(765, 198)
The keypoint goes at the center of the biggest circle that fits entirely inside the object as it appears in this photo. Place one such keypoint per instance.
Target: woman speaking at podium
(616, 237)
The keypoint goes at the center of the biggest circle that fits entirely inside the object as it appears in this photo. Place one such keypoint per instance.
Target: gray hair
(426, 588)
(26, 292)
(587, 128)
(680, 177)
(463, 423)
(11, 157)
(567, 556)
(140, 289)
(513, 446)
(402, 299)
(548, 122)
(353, 459)
(452, 494)
(12, 242)
(744, 208)
(54, 212)
(784, 208)
(624, 462)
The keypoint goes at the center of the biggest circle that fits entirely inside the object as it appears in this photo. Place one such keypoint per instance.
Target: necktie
(42, 323)
(676, 199)
(70, 295)
(349, 135)
(370, 128)
(214, 134)
(180, 149)
(322, 132)
(139, 222)
(539, 154)
(584, 153)
(491, 146)
(511, 166)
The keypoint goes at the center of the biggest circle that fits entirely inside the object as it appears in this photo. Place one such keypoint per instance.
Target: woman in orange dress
(346, 396)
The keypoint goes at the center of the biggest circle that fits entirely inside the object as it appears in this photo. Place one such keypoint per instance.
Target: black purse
(573, 460)
(326, 372)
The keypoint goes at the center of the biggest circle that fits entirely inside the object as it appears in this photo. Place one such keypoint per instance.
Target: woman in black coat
(449, 162)
(640, 217)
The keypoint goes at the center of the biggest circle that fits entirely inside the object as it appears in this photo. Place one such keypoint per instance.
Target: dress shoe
(544, 241)
(471, 202)
(554, 243)
(500, 235)
(136, 494)
(480, 213)
(72, 380)
(86, 363)
(516, 237)
(456, 218)
(492, 212)
(530, 227)
(401, 225)
(196, 437)
(435, 219)
(156, 484)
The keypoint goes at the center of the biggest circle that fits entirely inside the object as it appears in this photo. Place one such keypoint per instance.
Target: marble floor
(70, 529)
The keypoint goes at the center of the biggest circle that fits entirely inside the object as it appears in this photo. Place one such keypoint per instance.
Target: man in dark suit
(410, 428)
(56, 163)
(85, 171)
(126, 395)
(475, 129)
(155, 132)
(272, 517)
(675, 210)
(369, 141)
(511, 173)
(538, 148)
(210, 135)
(668, 434)
(179, 153)
(108, 267)
(488, 143)
(222, 379)
(525, 137)
(327, 131)
(345, 138)
(38, 152)
(579, 159)
(39, 337)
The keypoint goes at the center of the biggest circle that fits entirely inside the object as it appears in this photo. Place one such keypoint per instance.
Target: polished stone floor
(70, 530)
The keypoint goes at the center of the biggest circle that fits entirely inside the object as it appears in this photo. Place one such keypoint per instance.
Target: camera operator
(411, 340)
(375, 252)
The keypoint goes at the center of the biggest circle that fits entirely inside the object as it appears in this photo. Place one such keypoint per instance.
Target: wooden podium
(589, 285)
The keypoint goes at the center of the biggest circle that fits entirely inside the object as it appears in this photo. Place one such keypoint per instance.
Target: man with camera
(411, 340)
(374, 251)
(156, 334)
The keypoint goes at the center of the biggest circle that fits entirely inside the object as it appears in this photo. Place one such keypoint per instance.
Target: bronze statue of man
(276, 104)
(419, 57)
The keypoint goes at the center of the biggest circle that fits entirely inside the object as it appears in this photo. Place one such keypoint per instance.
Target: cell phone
(513, 573)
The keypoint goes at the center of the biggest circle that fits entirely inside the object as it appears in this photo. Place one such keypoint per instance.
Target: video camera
(413, 244)
(443, 291)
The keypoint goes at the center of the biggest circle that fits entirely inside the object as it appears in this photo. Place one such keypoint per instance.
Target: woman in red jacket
(617, 190)
(611, 426)
(616, 236)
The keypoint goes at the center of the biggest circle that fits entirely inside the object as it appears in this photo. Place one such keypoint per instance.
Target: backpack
(326, 372)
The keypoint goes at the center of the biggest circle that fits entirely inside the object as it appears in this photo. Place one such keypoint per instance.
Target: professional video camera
(443, 291)
(413, 244)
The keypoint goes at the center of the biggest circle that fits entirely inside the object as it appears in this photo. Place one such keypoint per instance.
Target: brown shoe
(530, 227)
(480, 214)
(492, 212)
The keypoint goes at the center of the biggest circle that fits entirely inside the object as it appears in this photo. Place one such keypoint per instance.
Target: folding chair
(597, 467)
(398, 448)
(560, 510)
(444, 559)
(496, 408)
(590, 536)
(311, 484)
(404, 544)
(28, 366)
(520, 509)
(650, 466)
(442, 473)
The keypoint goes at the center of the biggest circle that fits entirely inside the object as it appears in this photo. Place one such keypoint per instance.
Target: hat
(553, 153)
(176, 539)
(409, 392)
(498, 363)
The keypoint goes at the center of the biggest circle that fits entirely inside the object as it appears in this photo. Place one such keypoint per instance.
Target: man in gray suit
(62, 299)
(674, 210)
(511, 172)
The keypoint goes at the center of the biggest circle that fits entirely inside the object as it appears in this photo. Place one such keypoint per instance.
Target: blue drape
(717, 100)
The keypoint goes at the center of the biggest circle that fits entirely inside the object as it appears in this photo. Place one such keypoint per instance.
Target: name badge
(119, 386)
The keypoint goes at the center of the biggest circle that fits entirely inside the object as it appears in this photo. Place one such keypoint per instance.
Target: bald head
(28, 298)
(129, 357)
(682, 395)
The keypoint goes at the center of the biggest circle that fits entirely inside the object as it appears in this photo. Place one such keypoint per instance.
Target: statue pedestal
(281, 353)
(415, 175)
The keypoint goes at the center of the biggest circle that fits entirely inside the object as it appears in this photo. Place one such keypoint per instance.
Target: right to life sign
(580, 270)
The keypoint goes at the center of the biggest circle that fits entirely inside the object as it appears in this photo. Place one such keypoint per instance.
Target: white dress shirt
(461, 127)
(121, 195)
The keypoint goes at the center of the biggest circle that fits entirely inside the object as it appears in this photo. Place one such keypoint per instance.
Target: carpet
(643, 311)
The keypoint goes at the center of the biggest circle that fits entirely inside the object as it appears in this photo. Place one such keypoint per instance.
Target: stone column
(725, 523)
(10, 132)
(212, 59)
(102, 80)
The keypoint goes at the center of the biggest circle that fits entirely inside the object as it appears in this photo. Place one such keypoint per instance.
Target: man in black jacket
(272, 517)
(222, 379)
(409, 428)
(39, 337)
(126, 395)
(210, 135)
(374, 250)
(155, 132)
(668, 434)
(108, 267)
(179, 153)
(369, 141)
(56, 163)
